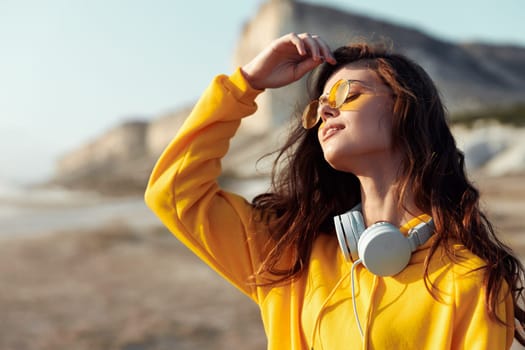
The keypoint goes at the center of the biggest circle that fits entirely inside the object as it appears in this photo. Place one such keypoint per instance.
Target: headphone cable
(354, 265)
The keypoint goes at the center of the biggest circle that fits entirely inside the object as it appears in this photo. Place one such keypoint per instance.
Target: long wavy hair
(307, 192)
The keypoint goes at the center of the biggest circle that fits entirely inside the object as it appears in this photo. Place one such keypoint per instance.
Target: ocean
(25, 210)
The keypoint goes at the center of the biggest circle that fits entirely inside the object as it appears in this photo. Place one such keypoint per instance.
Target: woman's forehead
(354, 71)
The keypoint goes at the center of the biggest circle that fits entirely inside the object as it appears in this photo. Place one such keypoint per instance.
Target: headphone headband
(420, 234)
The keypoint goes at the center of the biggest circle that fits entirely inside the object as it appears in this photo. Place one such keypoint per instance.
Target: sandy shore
(118, 288)
(129, 287)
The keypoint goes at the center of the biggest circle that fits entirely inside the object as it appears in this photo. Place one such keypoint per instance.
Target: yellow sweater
(314, 311)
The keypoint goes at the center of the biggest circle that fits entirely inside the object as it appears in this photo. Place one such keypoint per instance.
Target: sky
(72, 69)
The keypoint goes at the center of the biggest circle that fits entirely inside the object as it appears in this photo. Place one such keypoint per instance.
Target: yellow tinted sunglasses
(338, 97)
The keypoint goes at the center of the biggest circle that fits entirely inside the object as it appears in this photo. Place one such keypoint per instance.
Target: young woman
(372, 236)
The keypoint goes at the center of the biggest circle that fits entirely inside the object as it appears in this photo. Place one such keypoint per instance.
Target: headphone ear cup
(349, 227)
(384, 250)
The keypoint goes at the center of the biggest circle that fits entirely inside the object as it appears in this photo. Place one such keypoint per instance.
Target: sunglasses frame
(334, 98)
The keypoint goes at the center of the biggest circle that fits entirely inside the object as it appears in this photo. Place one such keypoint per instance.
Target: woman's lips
(330, 130)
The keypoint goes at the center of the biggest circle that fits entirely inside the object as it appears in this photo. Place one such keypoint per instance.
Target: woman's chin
(339, 163)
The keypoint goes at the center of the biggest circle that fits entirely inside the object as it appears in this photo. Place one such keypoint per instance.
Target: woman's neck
(381, 200)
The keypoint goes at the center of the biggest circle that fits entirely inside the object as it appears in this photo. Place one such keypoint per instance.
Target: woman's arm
(183, 191)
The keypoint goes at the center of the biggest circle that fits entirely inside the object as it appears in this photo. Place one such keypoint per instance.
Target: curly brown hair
(307, 192)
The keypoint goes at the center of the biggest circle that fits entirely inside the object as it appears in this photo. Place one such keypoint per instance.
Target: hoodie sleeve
(473, 328)
(183, 191)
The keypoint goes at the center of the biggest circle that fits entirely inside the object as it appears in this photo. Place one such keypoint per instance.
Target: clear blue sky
(71, 69)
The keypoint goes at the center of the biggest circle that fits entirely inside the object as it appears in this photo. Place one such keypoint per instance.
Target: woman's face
(358, 133)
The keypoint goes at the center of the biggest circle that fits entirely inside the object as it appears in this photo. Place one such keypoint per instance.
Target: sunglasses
(339, 97)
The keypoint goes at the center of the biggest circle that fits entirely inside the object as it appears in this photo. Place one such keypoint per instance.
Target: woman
(373, 146)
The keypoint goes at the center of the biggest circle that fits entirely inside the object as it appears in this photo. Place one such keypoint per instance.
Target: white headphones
(383, 249)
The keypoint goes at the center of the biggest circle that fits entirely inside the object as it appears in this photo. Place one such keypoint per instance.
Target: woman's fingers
(326, 53)
(315, 46)
(299, 44)
(311, 45)
(286, 60)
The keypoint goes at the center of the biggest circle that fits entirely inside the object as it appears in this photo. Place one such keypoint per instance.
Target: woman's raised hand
(286, 60)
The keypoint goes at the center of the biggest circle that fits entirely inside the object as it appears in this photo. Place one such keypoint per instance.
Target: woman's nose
(325, 112)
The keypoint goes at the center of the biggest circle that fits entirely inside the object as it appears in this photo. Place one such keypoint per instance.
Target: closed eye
(352, 97)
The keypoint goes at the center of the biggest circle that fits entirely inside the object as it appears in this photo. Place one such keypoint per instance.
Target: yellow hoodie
(315, 310)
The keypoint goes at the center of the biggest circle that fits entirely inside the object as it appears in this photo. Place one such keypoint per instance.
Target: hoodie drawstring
(364, 336)
(354, 265)
(323, 306)
(370, 311)
(321, 310)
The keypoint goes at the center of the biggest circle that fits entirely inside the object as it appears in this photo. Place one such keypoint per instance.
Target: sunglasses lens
(338, 93)
(310, 116)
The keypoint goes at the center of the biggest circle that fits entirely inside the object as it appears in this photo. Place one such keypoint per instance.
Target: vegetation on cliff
(513, 115)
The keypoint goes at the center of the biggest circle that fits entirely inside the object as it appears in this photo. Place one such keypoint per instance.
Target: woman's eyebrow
(360, 82)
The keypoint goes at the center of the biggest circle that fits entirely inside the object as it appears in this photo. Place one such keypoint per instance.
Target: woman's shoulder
(458, 258)
(460, 266)
(465, 260)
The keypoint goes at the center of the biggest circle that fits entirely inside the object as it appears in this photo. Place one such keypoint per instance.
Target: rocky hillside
(470, 76)
(120, 160)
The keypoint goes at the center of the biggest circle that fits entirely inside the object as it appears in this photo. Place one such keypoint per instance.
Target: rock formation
(469, 76)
